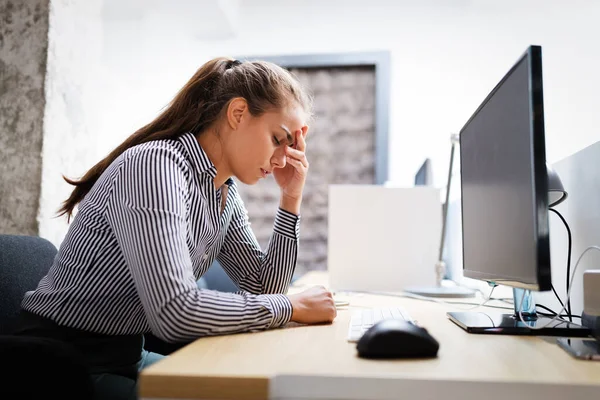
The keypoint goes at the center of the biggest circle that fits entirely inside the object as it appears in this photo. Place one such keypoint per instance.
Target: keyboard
(364, 319)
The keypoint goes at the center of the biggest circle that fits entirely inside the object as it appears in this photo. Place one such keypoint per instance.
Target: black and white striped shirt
(147, 231)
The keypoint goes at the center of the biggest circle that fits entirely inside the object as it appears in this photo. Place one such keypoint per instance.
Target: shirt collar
(198, 157)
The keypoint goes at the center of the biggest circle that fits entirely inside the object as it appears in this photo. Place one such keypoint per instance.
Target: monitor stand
(439, 290)
(510, 324)
(442, 291)
(440, 267)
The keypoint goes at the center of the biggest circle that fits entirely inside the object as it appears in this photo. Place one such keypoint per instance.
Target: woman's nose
(278, 159)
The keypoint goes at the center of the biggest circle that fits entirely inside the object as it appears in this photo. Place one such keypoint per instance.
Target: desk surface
(242, 366)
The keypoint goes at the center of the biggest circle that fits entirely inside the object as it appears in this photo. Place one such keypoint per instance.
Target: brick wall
(340, 149)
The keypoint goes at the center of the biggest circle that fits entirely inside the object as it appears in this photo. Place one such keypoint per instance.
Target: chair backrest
(24, 260)
(217, 279)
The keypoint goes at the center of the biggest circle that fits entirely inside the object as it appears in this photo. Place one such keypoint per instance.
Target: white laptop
(383, 238)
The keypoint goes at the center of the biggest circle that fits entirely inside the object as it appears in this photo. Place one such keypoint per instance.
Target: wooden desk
(318, 362)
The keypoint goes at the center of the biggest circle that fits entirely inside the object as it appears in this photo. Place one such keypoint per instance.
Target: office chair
(24, 260)
(217, 279)
(34, 367)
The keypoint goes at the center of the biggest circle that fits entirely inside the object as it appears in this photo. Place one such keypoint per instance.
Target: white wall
(74, 98)
(446, 57)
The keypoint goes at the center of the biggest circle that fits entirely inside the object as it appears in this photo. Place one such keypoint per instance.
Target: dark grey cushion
(24, 260)
(217, 279)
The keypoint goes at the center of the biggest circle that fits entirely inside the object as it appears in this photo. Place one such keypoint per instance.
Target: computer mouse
(394, 338)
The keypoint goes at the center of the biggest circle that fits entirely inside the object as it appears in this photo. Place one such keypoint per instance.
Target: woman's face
(256, 145)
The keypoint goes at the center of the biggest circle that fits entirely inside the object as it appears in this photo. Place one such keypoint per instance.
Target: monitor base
(456, 292)
(509, 324)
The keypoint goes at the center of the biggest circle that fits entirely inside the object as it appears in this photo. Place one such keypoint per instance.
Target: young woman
(154, 214)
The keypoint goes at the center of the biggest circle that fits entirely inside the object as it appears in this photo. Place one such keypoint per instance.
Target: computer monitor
(423, 177)
(504, 194)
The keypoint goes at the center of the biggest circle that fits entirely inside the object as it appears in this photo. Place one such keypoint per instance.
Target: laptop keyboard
(362, 320)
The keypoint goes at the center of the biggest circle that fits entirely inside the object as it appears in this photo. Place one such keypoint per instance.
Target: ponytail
(198, 105)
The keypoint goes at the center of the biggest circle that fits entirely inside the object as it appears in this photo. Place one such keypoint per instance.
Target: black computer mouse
(393, 338)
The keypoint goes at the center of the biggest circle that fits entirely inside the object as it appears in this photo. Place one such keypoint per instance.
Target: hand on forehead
(293, 120)
(290, 134)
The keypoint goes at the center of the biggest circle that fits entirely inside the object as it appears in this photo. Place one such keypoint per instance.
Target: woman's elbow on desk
(208, 313)
(172, 323)
(178, 329)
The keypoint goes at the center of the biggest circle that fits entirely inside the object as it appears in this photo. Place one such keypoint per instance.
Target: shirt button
(205, 257)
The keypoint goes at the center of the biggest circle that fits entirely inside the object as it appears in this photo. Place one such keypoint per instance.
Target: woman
(154, 214)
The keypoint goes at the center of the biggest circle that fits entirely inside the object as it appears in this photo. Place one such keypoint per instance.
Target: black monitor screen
(504, 182)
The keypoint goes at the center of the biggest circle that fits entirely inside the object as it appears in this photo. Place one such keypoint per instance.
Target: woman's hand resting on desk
(313, 306)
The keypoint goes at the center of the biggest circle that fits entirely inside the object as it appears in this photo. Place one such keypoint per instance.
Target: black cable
(543, 314)
(546, 308)
(553, 313)
(558, 298)
(568, 308)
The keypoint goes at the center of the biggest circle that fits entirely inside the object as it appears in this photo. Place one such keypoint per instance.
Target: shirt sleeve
(148, 212)
(252, 269)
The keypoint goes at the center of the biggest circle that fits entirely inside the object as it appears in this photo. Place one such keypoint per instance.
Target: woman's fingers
(300, 140)
(298, 155)
(305, 131)
(296, 163)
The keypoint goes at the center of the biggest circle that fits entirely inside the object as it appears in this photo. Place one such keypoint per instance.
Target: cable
(460, 308)
(483, 302)
(546, 308)
(435, 300)
(566, 300)
(568, 308)
(552, 313)
(557, 296)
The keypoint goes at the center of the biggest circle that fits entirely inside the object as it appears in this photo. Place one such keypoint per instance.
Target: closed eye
(276, 141)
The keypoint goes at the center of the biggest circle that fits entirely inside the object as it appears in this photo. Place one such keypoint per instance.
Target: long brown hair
(198, 105)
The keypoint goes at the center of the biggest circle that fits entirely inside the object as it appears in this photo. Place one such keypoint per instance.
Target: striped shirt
(149, 228)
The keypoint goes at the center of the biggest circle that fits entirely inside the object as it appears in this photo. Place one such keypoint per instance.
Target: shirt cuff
(287, 224)
(280, 307)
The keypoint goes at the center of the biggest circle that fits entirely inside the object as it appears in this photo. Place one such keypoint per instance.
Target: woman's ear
(235, 112)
